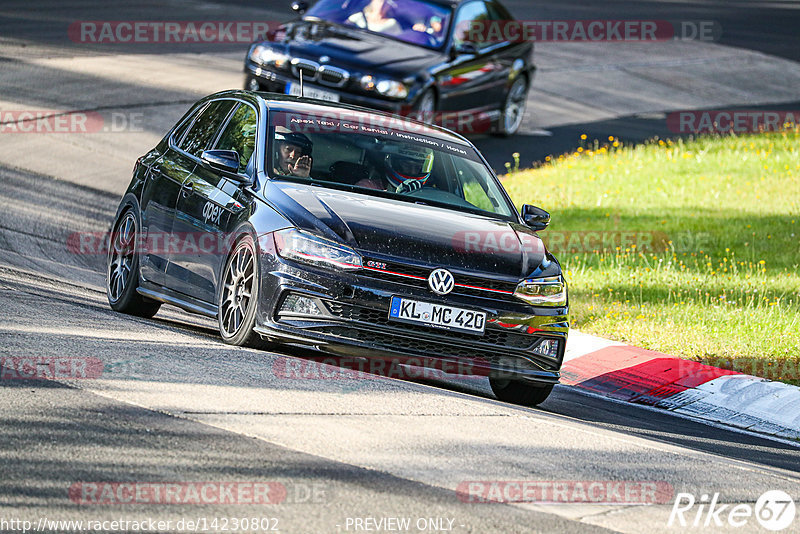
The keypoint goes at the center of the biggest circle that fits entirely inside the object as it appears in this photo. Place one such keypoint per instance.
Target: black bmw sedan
(411, 57)
(342, 230)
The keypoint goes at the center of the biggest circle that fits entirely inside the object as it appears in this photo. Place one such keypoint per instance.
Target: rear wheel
(519, 392)
(238, 296)
(122, 273)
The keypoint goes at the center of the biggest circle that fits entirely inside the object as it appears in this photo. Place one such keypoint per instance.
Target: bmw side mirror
(465, 48)
(221, 160)
(535, 217)
(299, 7)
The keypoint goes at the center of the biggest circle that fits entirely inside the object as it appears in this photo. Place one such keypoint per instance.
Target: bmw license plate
(437, 315)
(293, 88)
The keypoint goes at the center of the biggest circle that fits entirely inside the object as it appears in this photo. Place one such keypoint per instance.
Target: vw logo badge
(441, 281)
(324, 59)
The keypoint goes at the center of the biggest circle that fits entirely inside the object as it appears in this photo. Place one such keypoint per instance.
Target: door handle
(187, 189)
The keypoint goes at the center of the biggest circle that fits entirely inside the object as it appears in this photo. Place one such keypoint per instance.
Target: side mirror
(222, 160)
(465, 48)
(535, 217)
(299, 7)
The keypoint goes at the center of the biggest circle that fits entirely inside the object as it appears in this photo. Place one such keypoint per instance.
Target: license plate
(437, 315)
(311, 92)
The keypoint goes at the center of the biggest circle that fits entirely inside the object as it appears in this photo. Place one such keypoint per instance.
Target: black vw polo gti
(412, 57)
(340, 229)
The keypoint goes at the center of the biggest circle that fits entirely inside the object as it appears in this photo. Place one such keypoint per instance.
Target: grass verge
(688, 247)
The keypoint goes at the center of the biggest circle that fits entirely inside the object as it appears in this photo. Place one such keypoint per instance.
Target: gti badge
(441, 281)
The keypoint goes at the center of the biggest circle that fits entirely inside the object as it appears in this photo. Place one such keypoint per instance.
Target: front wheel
(519, 392)
(122, 272)
(514, 107)
(425, 108)
(238, 296)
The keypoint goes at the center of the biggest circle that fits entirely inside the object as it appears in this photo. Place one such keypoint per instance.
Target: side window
(240, 135)
(204, 128)
(468, 13)
(180, 131)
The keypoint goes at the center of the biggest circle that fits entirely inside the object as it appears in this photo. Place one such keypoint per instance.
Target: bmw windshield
(384, 156)
(411, 21)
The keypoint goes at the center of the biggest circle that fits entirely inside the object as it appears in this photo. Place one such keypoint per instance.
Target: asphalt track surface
(178, 405)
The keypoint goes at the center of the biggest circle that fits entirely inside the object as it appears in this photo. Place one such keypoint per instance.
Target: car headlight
(304, 247)
(390, 88)
(548, 291)
(264, 55)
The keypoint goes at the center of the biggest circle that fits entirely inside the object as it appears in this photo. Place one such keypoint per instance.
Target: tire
(513, 108)
(519, 392)
(425, 108)
(237, 298)
(122, 268)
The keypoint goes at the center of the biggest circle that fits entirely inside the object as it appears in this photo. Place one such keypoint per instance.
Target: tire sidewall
(129, 294)
(245, 333)
(507, 100)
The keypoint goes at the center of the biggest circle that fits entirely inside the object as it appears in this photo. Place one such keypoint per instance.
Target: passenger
(374, 17)
(292, 153)
(434, 27)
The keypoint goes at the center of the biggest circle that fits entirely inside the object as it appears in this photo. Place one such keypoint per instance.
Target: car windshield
(412, 21)
(384, 156)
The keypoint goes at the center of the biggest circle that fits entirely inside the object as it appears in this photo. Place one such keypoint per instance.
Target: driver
(292, 153)
(408, 169)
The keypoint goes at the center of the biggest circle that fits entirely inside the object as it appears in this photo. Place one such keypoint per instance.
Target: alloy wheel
(121, 257)
(515, 107)
(237, 290)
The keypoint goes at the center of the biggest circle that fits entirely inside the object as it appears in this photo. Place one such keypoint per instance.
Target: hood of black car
(387, 228)
(356, 49)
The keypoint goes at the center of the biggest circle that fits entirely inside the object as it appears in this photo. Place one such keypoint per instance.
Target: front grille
(333, 76)
(503, 340)
(415, 276)
(423, 347)
(307, 67)
(314, 72)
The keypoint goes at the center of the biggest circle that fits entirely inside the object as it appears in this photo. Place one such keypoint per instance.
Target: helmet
(405, 163)
(285, 135)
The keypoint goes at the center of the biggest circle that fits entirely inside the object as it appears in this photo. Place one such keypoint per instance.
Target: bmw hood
(354, 48)
(396, 230)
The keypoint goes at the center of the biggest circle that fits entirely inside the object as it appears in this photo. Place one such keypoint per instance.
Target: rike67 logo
(774, 510)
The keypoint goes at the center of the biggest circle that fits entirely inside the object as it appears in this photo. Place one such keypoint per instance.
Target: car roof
(289, 103)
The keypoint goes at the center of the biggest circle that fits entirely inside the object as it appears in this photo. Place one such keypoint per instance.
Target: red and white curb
(683, 387)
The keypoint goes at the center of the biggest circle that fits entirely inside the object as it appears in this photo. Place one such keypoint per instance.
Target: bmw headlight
(390, 88)
(264, 55)
(547, 291)
(305, 247)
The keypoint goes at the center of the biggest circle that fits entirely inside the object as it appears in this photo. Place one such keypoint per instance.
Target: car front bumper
(353, 321)
(276, 82)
